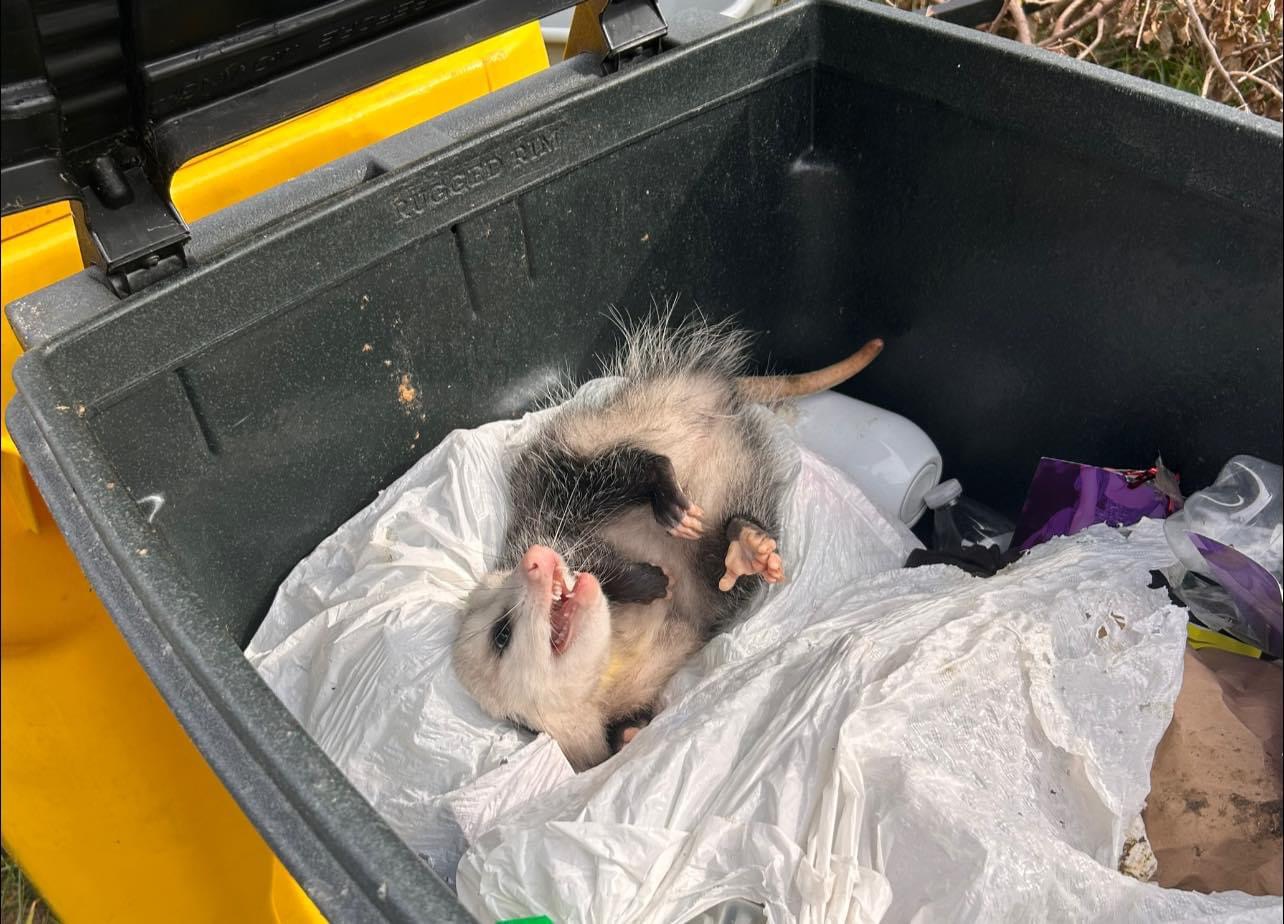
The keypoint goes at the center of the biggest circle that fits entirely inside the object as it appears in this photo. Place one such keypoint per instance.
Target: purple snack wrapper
(1066, 497)
(1254, 590)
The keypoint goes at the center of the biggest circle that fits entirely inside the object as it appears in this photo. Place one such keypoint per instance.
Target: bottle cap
(947, 492)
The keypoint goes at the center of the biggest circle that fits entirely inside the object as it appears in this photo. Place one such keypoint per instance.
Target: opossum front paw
(681, 518)
(691, 525)
(673, 509)
(750, 551)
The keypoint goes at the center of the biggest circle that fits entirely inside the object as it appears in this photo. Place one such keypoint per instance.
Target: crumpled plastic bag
(357, 641)
(920, 745)
(871, 743)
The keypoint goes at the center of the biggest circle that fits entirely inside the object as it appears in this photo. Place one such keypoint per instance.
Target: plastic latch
(947, 492)
(620, 31)
(138, 236)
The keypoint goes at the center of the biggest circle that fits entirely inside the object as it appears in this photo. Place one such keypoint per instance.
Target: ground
(20, 903)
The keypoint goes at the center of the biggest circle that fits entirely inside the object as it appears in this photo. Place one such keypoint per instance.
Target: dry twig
(1265, 84)
(1064, 15)
(1141, 29)
(1019, 20)
(1098, 11)
(1101, 33)
(1261, 67)
(1210, 51)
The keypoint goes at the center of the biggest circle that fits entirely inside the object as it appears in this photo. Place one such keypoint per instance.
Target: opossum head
(532, 647)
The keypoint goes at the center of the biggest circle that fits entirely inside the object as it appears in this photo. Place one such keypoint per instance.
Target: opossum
(640, 525)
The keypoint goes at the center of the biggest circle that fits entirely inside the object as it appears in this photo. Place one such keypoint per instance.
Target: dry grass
(20, 903)
(1226, 50)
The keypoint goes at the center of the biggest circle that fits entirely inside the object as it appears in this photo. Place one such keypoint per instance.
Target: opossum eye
(501, 633)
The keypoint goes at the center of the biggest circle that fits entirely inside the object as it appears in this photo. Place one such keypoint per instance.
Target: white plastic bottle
(889, 457)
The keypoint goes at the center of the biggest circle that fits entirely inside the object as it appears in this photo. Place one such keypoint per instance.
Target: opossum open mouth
(569, 590)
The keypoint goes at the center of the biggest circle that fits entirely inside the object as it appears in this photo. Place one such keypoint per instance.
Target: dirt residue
(407, 394)
(1196, 805)
(1262, 817)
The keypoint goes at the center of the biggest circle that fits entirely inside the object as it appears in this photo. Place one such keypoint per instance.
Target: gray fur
(676, 399)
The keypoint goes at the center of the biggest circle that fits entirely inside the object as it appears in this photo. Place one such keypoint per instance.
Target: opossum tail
(770, 388)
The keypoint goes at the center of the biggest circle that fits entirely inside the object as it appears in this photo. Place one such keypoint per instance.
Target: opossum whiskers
(566, 512)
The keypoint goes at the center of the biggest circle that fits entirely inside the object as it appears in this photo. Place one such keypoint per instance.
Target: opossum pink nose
(539, 562)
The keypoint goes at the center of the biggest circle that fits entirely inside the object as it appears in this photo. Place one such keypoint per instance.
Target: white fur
(677, 398)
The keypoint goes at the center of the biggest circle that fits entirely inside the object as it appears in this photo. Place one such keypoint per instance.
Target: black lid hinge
(617, 31)
(136, 235)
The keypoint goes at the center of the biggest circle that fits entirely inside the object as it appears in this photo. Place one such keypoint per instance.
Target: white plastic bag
(871, 744)
(357, 641)
(922, 745)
